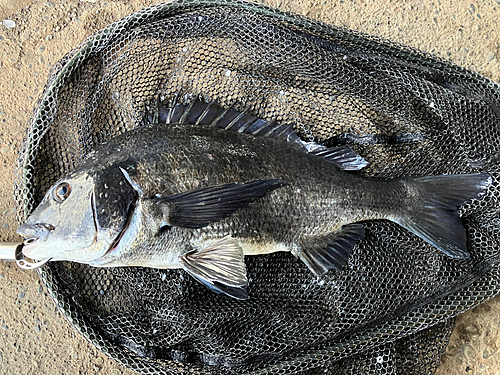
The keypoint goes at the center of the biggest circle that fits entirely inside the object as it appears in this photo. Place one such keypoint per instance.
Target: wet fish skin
(310, 207)
(199, 157)
(260, 194)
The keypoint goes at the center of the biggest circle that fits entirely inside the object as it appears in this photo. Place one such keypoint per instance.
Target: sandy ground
(34, 338)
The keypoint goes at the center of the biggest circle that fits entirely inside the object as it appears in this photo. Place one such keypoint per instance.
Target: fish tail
(433, 212)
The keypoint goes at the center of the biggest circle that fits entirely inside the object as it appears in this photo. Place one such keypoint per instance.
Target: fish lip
(33, 233)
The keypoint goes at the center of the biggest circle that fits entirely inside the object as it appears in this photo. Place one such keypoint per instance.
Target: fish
(200, 187)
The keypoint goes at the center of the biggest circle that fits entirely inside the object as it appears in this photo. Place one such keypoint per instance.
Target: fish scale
(179, 196)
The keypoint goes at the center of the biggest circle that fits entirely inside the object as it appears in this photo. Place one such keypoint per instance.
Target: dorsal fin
(197, 112)
(345, 157)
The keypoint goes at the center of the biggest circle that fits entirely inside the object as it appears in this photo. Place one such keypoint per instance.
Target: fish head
(65, 225)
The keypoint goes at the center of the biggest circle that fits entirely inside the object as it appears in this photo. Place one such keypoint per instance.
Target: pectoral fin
(220, 267)
(331, 252)
(200, 207)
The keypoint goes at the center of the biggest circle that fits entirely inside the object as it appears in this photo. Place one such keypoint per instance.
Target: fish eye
(61, 192)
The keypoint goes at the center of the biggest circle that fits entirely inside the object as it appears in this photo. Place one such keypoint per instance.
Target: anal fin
(331, 252)
(219, 266)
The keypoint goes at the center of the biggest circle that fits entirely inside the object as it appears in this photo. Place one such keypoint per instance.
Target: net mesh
(407, 113)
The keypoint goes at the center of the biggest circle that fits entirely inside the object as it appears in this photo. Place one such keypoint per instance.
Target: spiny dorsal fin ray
(197, 112)
(345, 157)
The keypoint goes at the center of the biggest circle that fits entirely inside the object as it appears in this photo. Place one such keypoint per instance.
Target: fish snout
(35, 232)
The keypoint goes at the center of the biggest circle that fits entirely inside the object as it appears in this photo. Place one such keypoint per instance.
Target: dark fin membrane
(331, 252)
(200, 207)
(220, 266)
(238, 293)
(435, 218)
(212, 115)
(196, 112)
(345, 158)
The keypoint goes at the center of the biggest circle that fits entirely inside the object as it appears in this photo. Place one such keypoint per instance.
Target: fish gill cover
(391, 309)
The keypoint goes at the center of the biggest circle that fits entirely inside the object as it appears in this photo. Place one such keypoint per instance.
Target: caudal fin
(434, 215)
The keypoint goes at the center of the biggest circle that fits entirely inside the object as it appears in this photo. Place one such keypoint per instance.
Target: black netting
(407, 113)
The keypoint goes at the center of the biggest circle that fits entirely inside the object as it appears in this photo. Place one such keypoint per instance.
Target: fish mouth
(32, 234)
(35, 232)
(25, 264)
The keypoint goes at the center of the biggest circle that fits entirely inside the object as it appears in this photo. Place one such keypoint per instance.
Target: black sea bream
(213, 186)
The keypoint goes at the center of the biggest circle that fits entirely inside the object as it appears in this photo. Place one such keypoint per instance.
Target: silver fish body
(201, 198)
